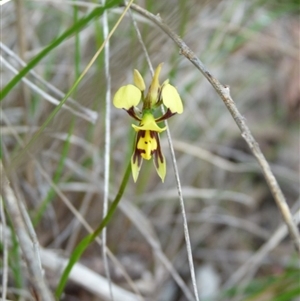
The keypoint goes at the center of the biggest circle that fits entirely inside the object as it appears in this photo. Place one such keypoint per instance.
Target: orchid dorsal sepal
(126, 97)
(154, 89)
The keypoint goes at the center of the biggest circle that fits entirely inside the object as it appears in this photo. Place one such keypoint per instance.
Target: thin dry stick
(33, 266)
(75, 226)
(106, 145)
(21, 26)
(224, 93)
(5, 250)
(22, 45)
(179, 188)
(32, 234)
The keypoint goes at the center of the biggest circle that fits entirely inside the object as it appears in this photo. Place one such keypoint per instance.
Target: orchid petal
(171, 99)
(159, 160)
(148, 124)
(136, 160)
(147, 144)
(127, 97)
(135, 168)
(138, 80)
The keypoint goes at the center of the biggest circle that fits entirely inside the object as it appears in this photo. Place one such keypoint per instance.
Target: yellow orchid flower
(147, 143)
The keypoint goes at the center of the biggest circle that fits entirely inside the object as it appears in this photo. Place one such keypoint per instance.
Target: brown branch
(32, 263)
(224, 93)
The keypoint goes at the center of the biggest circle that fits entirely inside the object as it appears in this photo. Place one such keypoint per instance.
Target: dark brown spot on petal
(137, 152)
(152, 134)
(158, 150)
(140, 134)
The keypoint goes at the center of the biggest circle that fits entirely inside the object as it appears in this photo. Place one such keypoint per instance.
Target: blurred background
(252, 46)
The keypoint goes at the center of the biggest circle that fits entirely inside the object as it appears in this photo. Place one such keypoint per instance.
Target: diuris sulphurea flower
(147, 142)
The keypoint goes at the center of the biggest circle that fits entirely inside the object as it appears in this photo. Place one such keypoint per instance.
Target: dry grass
(236, 229)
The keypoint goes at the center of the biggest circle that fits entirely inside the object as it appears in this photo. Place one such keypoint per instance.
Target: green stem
(86, 241)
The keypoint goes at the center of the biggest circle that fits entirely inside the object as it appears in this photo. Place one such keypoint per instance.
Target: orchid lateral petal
(171, 99)
(159, 160)
(138, 80)
(134, 113)
(127, 97)
(167, 115)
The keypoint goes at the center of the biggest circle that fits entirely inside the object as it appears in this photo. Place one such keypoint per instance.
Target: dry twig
(13, 208)
(224, 93)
